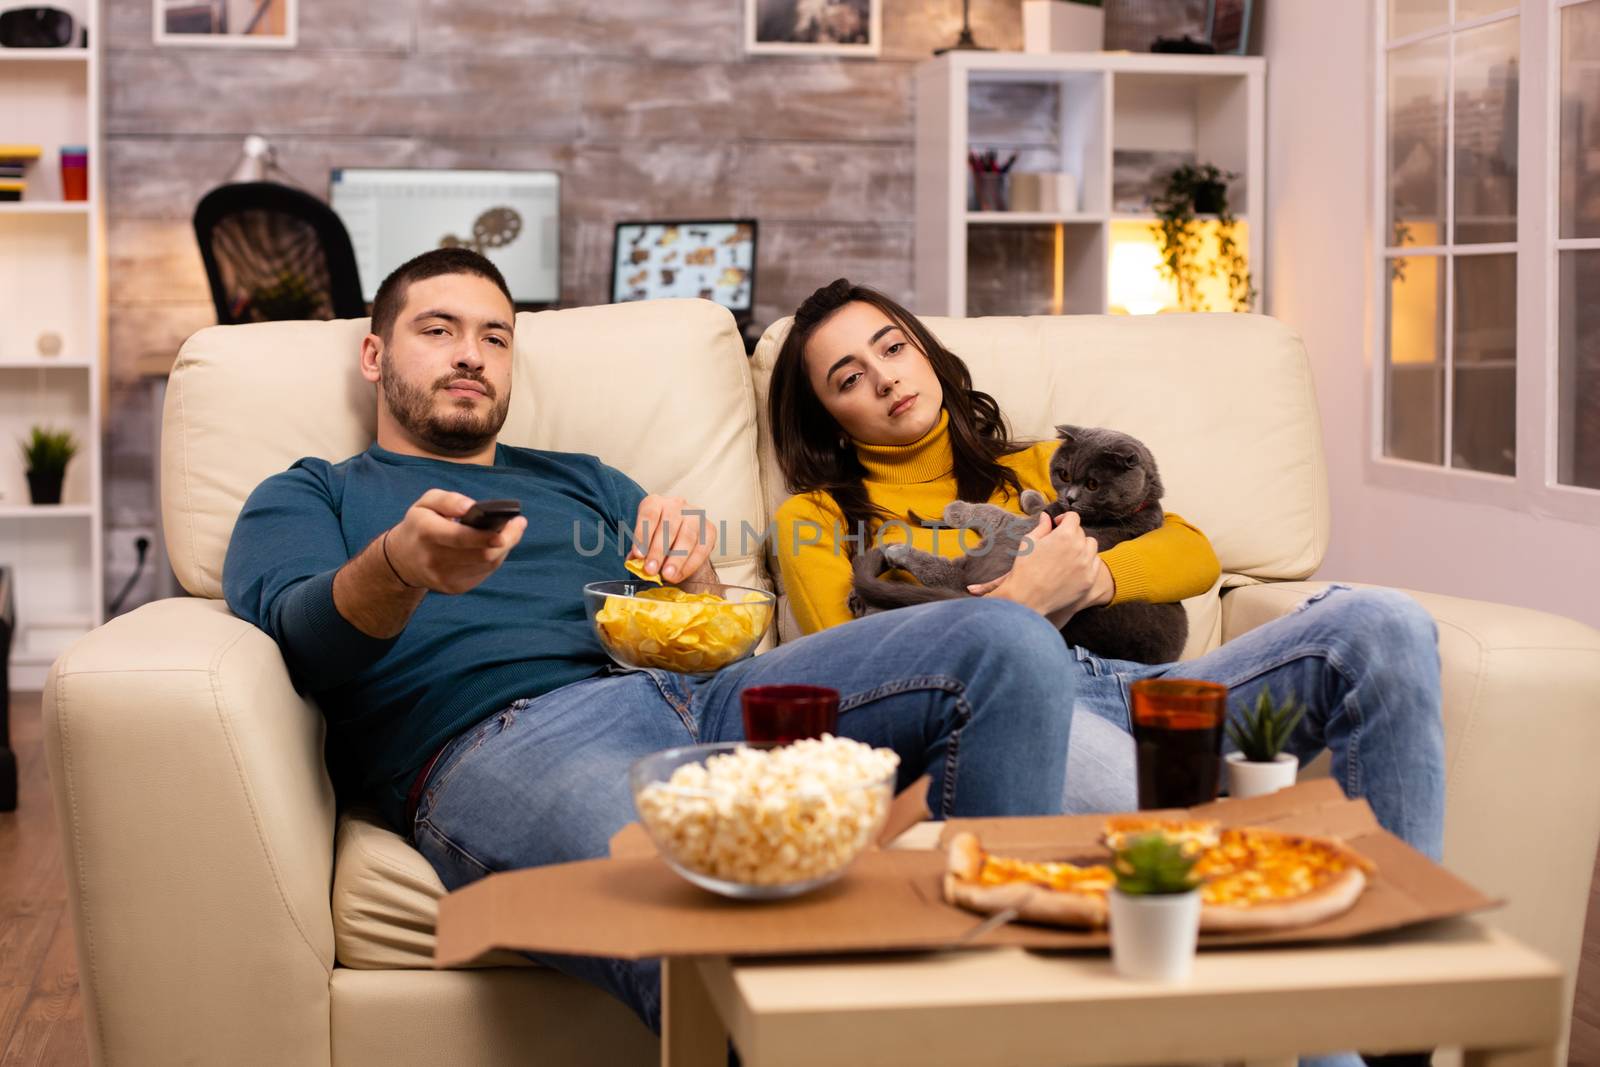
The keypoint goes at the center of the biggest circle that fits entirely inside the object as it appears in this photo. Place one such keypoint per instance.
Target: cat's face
(871, 378)
(1103, 473)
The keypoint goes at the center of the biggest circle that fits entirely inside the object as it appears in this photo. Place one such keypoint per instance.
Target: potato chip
(636, 568)
(679, 630)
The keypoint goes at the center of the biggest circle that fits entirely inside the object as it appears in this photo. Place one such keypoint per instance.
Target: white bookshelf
(52, 279)
(1094, 104)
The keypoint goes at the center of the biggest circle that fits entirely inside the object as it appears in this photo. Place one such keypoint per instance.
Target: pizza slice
(1060, 894)
(1253, 880)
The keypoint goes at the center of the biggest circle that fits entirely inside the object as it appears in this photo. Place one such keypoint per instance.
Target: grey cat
(1110, 479)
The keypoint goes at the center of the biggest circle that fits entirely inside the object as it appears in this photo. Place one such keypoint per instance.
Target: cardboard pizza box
(631, 905)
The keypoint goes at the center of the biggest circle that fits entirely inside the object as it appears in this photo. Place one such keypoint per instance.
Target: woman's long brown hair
(807, 439)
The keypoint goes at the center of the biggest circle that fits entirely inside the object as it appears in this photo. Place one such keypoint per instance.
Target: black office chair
(273, 252)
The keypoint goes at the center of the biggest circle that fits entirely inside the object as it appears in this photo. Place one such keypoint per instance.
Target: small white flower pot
(1153, 937)
(1249, 779)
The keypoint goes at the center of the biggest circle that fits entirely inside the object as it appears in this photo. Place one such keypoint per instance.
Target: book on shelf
(12, 190)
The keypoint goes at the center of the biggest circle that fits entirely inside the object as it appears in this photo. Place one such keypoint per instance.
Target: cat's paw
(1033, 501)
(897, 554)
(958, 514)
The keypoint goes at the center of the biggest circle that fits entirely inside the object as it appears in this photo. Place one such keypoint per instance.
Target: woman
(873, 419)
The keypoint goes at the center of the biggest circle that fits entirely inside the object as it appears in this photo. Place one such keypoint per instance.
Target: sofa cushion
(386, 900)
(244, 402)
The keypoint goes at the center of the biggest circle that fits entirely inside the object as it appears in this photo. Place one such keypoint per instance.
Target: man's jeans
(977, 693)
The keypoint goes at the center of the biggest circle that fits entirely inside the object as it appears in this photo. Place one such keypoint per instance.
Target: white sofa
(226, 913)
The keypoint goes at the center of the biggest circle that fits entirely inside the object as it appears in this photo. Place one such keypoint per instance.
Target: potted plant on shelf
(1261, 766)
(47, 453)
(1190, 191)
(1155, 909)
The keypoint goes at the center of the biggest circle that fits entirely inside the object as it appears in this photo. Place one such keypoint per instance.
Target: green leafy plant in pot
(1260, 733)
(46, 454)
(1155, 909)
(1190, 191)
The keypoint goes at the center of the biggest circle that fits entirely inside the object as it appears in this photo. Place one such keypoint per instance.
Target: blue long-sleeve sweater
(390, 704)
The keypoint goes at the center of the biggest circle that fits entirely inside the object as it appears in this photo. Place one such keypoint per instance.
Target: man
(462, 683)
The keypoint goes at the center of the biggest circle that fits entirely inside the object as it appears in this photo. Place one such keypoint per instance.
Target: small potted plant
(1155, 909)
(1191, 191)
(46, 454)
(1261, 766)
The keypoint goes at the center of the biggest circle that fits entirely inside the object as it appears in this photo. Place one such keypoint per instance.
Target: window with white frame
(1578, 249)
(1489, 280)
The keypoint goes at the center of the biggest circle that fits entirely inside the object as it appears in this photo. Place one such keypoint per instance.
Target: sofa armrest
(197, 825)
(1522, 726)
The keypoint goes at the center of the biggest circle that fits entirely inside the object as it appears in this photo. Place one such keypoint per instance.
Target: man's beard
(455, 433)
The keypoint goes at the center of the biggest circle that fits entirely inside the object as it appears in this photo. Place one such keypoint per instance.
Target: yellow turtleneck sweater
(1164, 565)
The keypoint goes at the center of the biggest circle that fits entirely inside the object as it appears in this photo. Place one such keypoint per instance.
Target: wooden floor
(41, 1017)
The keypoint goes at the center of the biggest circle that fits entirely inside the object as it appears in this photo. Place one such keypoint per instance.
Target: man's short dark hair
(431, 264)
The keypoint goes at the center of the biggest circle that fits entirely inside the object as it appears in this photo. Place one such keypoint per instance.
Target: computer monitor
(512, 217)
(713, 259)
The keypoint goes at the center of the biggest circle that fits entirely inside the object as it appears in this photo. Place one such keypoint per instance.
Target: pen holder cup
(989, 190)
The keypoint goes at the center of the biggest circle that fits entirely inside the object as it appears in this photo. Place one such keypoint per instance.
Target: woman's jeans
(979, 694)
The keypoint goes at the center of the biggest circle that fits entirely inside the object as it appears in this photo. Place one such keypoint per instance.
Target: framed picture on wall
(225, 23)
(813, 27)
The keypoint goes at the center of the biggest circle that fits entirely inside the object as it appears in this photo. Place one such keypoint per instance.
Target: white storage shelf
(44, 207)
(51, 282)
(44, 55)
(1074, 113)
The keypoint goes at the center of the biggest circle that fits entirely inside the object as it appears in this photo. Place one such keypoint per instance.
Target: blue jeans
(546, 780)
(989, 719)
(1366, 662)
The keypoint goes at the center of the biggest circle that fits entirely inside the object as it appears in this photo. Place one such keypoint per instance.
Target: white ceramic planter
(1153, 937)
(1062, 26)
(1248, 779)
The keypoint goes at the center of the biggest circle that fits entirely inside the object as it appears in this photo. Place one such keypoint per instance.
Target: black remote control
(491, 514)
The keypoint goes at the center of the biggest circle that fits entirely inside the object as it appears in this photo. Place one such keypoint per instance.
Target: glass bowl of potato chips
(764, 821)
(691, 628)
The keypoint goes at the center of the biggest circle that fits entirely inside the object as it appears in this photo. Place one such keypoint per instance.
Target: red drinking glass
(785, 713)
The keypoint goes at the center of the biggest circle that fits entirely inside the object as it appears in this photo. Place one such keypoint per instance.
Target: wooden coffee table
(1453, 983)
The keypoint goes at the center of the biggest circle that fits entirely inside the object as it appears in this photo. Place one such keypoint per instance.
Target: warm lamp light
(1136, 284)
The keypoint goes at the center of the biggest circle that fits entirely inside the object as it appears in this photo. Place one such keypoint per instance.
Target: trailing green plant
(1179, 231)
(1154, 864)
(48, 451)
(1262, 731)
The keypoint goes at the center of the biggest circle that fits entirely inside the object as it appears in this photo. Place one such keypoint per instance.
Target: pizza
(1196, 835)
(1252, 879)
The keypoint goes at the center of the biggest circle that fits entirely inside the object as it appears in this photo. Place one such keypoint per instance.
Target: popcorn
(773, 816)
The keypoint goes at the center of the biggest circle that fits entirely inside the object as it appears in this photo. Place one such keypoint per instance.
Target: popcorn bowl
(764, 822)
(678, 628)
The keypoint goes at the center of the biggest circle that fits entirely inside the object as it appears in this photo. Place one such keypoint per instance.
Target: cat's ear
(1069, 434)
(1125, 460)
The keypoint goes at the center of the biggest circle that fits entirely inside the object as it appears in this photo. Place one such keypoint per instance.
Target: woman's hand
(1060, 576)
(673, 538)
